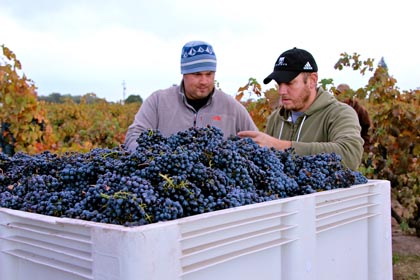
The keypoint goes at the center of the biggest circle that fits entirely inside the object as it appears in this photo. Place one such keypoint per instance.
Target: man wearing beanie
(194, 103)
(310, 119)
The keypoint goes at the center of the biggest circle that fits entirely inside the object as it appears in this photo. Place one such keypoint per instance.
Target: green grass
(406, 267)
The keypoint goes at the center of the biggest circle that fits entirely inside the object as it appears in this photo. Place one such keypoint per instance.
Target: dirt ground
(406, 254)
(404, 243)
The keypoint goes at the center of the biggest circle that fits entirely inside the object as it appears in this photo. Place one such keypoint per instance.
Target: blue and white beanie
(197, 56)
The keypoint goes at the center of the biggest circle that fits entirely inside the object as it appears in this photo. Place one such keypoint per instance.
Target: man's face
(298, 94)
(199, 85)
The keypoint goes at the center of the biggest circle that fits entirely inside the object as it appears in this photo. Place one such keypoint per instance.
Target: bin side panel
(339, 234)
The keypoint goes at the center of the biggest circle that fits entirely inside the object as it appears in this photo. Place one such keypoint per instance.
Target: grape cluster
(165, 178)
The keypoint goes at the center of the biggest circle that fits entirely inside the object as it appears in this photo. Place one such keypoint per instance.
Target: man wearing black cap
(310, 119)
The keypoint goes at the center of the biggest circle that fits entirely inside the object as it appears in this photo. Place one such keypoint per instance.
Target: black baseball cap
(290, 64)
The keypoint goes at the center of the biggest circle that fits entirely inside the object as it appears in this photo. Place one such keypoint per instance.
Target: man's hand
(265, 140)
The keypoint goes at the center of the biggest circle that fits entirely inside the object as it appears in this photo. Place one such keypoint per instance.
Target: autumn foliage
(83, 126)
(23, 118)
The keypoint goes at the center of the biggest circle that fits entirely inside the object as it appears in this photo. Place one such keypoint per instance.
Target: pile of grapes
(191, 172)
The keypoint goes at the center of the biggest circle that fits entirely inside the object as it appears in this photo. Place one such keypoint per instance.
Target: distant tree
(91, 98)
(54, 97)
(133, 99)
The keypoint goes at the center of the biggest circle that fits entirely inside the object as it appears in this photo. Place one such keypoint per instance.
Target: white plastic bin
(338, 234)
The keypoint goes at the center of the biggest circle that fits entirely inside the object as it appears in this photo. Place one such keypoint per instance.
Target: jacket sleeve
(344, 138)
(145, 118)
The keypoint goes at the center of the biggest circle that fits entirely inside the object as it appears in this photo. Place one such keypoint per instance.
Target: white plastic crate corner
(339, 234)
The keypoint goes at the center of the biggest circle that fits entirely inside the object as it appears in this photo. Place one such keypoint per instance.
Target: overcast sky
(83, 46)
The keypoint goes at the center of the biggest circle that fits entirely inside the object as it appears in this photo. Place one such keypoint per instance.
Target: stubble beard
(300, 102)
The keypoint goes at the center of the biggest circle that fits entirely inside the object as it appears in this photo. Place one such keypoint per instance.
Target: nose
(282, 88)
(204, 79)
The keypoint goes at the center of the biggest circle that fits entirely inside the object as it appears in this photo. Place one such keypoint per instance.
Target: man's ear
(313, 80)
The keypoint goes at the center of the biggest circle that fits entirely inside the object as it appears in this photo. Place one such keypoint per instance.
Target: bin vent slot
(218, 241)
(52, 245)
(335, 211)
(340, 200)
(58, 231)
(205, 228)
(340, 211)
(233, 239)
(52, 263)
(344, 222)
(199, 265)
(38, 244)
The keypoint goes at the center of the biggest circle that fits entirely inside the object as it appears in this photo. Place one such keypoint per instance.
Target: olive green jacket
(327, 126)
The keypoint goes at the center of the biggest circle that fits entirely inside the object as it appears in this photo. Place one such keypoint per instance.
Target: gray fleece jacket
(328, 126)
(168, 111)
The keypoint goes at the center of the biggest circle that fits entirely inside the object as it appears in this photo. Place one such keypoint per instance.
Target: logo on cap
(307, 66)
(280, 62)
